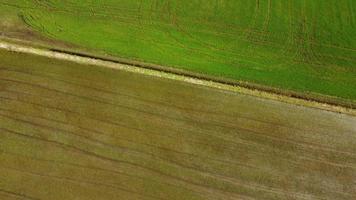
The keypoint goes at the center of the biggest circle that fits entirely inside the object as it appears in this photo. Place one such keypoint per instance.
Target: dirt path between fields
(161, 74)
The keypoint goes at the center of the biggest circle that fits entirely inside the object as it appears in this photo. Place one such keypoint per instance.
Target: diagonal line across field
(245, 88)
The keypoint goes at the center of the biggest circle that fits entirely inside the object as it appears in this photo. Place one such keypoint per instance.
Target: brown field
(70, 131)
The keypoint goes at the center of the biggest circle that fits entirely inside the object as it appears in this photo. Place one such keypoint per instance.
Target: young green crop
(300, 45)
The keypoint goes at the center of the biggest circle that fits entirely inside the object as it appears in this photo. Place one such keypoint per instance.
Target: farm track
(315, 101)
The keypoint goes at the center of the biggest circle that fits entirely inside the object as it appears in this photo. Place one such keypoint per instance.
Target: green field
(308, 46)
(70, 131)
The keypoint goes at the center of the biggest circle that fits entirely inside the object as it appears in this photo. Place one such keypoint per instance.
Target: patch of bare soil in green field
(15, 28)
(102, 133)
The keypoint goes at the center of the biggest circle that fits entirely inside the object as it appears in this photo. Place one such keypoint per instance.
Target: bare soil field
(71, 131)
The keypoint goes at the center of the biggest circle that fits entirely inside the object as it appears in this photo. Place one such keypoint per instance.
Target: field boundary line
(86, 60)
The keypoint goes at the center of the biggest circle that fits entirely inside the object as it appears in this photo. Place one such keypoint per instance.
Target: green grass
(71, 131)
(307, 46)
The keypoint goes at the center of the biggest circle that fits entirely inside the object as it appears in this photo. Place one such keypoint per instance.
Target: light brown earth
(71, 131)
